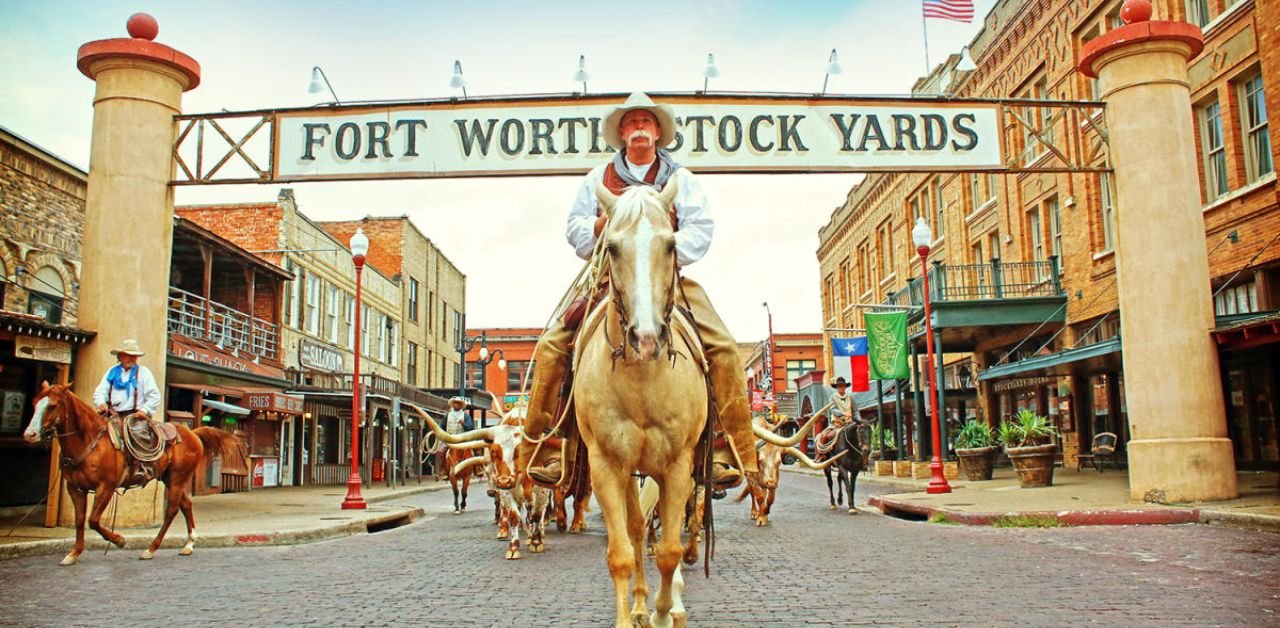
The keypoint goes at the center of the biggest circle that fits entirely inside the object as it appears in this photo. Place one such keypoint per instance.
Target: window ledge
(889, 279)
(1223, 17)
(973, 216)
(1098, 257)
(1267, 179)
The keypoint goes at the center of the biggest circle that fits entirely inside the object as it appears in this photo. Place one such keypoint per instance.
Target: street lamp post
(354, 500)
(922, 236)
(469, 343)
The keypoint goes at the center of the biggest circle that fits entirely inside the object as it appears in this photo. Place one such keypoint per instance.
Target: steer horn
(471, 444)
(466, 464)
(808, 462)
(787, 441)
(484, 433)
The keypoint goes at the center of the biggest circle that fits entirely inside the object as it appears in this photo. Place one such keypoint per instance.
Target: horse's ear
(668, 194)
(607, 199)
(44, 385)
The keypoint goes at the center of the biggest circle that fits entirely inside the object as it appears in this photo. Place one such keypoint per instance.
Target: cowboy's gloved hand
(600, 220)
(102, 408)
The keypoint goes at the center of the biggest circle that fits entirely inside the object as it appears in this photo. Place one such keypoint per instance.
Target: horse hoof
(456, 511)
(186, 551)
(69, 560)
(513, 555)
(679, 619)
(658, 621)
(640, 618)
(853, 511)
(833, 506)
(146, 555)
(538, 549)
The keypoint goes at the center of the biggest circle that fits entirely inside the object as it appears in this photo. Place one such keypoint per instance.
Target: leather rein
(67, 462)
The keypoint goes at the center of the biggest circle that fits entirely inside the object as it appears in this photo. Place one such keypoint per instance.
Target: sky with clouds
(507, 235)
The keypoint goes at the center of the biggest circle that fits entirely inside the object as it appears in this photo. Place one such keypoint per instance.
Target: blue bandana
(122, 381)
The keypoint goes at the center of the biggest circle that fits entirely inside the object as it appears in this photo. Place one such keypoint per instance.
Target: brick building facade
(1027, 260)
(511, 363)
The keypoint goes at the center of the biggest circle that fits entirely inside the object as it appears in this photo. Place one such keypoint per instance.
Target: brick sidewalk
(1076, 498)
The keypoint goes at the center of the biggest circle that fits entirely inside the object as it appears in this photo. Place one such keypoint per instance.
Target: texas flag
(849, 356)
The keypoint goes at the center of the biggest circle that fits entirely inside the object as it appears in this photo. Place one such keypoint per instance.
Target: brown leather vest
(616, 185)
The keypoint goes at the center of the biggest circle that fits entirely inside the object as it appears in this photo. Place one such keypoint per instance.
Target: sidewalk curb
(1246, 520)
(1108, 517)
(176, 539)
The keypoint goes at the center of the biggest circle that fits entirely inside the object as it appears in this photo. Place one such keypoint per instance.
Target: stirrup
(724, 476)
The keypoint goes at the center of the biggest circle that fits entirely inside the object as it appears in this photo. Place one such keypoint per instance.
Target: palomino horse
(91, 464)
(640, 399)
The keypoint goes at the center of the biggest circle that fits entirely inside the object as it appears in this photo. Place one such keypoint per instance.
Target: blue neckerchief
(120, 381)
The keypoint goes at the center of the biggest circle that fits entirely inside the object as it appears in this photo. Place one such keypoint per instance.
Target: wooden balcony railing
(191, 316)
(977, 282)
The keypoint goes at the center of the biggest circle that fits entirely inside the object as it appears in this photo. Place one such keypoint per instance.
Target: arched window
(46, 295)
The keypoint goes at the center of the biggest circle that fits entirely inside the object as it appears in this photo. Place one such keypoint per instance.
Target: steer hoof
(69, 560)
(513, 554)
(146, 555)
(537, 548)
(577, 527)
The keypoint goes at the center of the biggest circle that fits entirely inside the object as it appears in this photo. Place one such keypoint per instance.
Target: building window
(349, 318)
(1257, 137)
(886, 250)
(992, 185)
(1215, 154)
(1108, 209)
(458, 330)
(311, 316)
(1198, 12)
(46, 296)
(413, 299)
(444, 368)
(331, 305)
(1035, 235)
(430, 359)
(975, 192)
(796, 368)
(1038, 130)
(475, 375)
(864, 273)
(392, 343)
(993, 245)
(431, 310)
(1055, 229)
(290, 295)
(976, 253)
(844, 283)
(939, 209)
(444, 319)
(516, 376)
(1241, 299)
(915, 210)
(364, 331)
(411, 364)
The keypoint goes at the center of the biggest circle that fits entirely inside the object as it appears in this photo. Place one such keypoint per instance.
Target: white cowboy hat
(458, 399)
(639, 100)
(129, 347)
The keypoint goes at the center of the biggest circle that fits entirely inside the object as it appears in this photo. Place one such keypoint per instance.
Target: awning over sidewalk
(865, 400)
(1097, 357)
(1248, 331)
(230, 408)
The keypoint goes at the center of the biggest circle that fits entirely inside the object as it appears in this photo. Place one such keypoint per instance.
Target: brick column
(1180, 450)
(128, 231)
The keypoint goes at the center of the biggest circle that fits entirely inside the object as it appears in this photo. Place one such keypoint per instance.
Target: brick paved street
(811, 567)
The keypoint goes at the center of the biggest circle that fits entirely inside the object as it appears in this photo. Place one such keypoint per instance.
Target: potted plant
(977, 449)
(1028, 439)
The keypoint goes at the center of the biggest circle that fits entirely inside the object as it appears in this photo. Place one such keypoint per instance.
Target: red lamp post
(354, 500)
(922, 236)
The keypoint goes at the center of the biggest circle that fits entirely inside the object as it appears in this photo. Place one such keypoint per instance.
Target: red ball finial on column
(1135, 11)
(143, 26)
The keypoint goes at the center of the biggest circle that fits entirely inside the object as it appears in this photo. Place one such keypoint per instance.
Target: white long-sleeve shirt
(118, 400)
(693, 215)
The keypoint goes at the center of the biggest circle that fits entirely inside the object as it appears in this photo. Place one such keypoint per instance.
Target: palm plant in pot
(977, 449)
(879, 436)
(1028, 439)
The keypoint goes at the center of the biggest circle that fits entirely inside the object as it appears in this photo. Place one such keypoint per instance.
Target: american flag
(957, 10)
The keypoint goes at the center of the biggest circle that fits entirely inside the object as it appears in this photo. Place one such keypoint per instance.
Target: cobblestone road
(811, 567)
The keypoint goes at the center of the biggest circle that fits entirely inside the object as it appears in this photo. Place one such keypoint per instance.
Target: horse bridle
(620, 350)
(51, 431)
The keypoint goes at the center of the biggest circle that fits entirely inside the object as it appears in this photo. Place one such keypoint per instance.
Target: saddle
(141, 439)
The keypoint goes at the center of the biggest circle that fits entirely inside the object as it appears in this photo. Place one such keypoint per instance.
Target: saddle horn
(787, 441)
(484, 433)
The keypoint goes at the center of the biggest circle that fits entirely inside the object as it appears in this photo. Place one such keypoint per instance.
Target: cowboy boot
(734, 454)
(552, 357)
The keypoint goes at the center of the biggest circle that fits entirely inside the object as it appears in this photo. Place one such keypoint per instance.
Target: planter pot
(1033, 464)
(977, 463)
(920, 471)
(902, 468)
(884, 467)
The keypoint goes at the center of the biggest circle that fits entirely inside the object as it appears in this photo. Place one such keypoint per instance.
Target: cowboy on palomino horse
(639, 130)
(128, 390)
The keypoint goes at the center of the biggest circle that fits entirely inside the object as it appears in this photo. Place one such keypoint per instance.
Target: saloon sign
(564, 136)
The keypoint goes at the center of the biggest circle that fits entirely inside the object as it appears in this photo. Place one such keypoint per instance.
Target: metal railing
(372, 384)
(193, 316)
(976, 282)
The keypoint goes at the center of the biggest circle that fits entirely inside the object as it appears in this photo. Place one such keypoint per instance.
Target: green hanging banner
(887, 345)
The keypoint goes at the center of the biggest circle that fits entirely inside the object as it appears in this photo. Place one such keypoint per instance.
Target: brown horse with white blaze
(91, 464)
(640, 396)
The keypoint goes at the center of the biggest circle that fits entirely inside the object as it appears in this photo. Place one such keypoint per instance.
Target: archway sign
(561, 134)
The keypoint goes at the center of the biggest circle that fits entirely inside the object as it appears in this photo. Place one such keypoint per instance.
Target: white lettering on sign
(547, 137)
(45, 349)
(320, 357)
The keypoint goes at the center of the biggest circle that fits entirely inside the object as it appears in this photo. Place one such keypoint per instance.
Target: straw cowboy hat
(129, 347)
(457, 399)
(639, 100)
(839, 382)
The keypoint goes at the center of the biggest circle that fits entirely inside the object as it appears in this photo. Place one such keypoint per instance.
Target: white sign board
(543, 136)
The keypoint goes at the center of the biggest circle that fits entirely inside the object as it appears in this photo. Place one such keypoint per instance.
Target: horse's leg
(841, 479)
(99, 507)
(466, 485)
(676, 489)
(853, 481)
(831, 491)
(191, 524)
(453, 482)
(580, 504)
(80, 500)
(636, 533)
(610, 485)
(698, 501)
(172, 503)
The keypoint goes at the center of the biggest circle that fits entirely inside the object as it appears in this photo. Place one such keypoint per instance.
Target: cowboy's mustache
(639, 133)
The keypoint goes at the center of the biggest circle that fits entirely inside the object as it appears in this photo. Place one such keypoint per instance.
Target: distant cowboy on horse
(456, 422)
(841, 414)
(129, 390)
(640, 130)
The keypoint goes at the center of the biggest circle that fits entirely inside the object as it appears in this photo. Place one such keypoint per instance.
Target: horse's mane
(81, 412)
(634, 204)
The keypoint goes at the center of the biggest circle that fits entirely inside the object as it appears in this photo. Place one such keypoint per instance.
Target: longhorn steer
(769, 451)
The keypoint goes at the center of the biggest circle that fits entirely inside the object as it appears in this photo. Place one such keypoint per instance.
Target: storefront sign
(273, 402)
(43, 349)
(545, 136)
(11, 411)
(320, 357)
(198, 351)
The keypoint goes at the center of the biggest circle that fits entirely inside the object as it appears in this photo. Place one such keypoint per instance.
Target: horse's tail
(220, 442)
